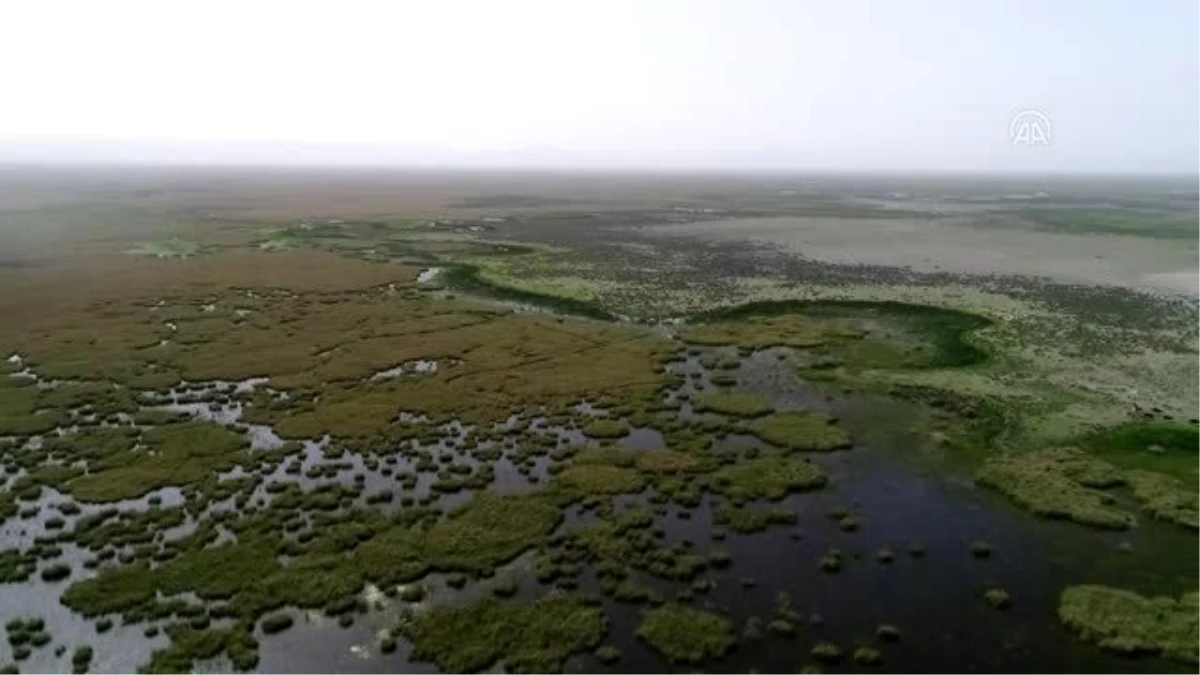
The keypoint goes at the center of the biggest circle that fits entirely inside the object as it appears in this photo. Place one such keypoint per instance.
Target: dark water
(935, 600)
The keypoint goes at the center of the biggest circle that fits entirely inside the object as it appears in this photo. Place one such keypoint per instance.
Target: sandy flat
(957, 245)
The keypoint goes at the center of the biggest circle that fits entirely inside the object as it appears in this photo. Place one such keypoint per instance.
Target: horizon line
(583, 168)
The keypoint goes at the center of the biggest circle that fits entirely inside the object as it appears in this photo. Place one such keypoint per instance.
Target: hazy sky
(773, 84)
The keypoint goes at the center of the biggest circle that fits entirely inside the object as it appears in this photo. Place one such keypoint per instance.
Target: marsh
(244, 428)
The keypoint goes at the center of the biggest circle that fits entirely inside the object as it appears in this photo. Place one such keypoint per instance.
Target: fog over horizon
(770, 85)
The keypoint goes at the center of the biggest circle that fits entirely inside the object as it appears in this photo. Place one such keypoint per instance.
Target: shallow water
(936, 600)
(966, 244)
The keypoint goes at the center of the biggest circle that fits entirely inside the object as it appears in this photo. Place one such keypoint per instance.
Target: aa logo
(1029, 128)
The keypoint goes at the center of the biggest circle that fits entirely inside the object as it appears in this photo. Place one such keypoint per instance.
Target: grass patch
(937, 336)
(998, 598)
(1060, 483)
(666, 462)
(746, 520)
(528, 637)
(1166, 498)
(81, 659)
(605, 428)
(469, 278)
(767, 476)
(20, 415)
(15, 566)
(173, 454)
(759, 332)
(189, 645)
(613, 545)
(686, 635)
(1123, 221)
(276, 623)
(799, 430)
(1164, 447)
(600, 479)
(484, 532)
(1068, 483)
(1125, 622)
(737, 404)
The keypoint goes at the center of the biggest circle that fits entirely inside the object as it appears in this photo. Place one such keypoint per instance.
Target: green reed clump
(684, 634)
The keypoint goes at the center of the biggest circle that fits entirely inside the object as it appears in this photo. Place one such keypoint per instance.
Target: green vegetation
(484, 532)
(535, 636)
(737, 404)
(1166, 498)
(766, 476)
(1162, 447)
(827, 652)
(760, 332)
(686, 635)
(666, 462)
(746, 519)
(868, 656)
(1125, 622)
(81, 659)
(600, 479)
(605, 428)
(176, 454)
(998, 598)
(981, 549)
(189, 645)
(56, 572)
(1060, 483)
(1069, 483)
(929, 337)
(608, 654)
(489, 530)
(276, 623)
(466, 277)
(1155, 224)
(16, 567)
(799, 430)
(430, 392)
(246, 573)
(412, 593)
(19, 409)
(613, 545)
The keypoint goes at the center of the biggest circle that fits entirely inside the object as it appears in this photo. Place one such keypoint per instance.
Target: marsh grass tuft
(535, 636)
(998, 598)
(736, 404)
(799, 430)
(606, 428)
(1126, 622)
(1053, 484)
(686, 635)
(767, 476)
(826, 652)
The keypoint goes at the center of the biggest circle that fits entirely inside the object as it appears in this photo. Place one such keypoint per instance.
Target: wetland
(374, 421)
